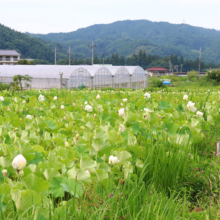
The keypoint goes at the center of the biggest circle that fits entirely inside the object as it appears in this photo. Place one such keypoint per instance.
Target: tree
(18, 81)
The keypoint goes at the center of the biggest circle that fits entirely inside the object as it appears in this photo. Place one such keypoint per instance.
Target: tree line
(141, 58)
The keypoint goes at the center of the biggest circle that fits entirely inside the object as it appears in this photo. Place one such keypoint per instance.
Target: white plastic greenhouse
(96, 76)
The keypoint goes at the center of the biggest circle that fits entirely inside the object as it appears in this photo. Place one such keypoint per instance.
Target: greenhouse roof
(53, 71)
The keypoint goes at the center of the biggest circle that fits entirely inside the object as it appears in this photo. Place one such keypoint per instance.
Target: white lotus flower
(41, 98)
(2, 98)
(24, 101)
(88, 108)
(55, 98)
(147, 110)
(62, 106)
(147, 95)
(125, 100)
(98, 96)
(29, 117)
(199, 114)
(185, 97)
(190, 106)
(121, 112)
(121, 128)
(113, 160)
(19, 162)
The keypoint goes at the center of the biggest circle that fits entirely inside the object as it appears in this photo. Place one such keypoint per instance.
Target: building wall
(9, 60)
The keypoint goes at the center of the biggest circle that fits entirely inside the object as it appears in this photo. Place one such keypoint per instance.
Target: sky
(47, 16)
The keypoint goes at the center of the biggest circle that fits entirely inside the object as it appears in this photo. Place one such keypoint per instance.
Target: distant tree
(25, 62)
(17, 81)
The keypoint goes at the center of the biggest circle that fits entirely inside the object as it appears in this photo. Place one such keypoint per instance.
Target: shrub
(4, 86)
(213, 75)
(192, 75)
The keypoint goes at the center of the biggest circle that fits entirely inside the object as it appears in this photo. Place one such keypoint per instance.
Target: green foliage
(165, 163)
(24, 62)
(29, 47)
(4, 86)
(192, 75)
(18, 81)
(214, 75)
(124, 38)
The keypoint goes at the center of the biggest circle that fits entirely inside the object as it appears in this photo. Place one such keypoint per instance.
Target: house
(157, 71)
(9, 57)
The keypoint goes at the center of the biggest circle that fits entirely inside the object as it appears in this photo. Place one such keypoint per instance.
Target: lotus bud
(98, 97)
(54, 98)
(113, 160)
(19, 162)
(94, 116)
(86, 103)
(24, 101)
(21, 173)
(121, 104)
(77, 137)
(64, 117)
(66, 144)
(87, 172)
(121, 128)
(121, 112)
(74, 104)
(62, 107)
(4, 172)
(29, 117)
(185, 97)
(9, 109)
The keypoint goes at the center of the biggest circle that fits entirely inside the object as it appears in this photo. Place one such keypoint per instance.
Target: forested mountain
(128, 37)
(27, 46)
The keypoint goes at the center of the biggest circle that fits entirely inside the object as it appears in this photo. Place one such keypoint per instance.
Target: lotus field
(92, 154)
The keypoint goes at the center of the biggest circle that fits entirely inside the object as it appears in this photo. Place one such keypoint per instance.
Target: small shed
(157, 71)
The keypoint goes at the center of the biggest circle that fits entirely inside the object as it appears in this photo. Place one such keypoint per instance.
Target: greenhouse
(60, 76)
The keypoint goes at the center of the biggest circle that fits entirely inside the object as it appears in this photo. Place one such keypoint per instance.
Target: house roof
(157, 69)
(9, 53)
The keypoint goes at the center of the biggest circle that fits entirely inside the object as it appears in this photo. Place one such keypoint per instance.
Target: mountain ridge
(124, 37)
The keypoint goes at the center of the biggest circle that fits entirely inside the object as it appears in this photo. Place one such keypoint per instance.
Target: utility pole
(181, 67)
(69, 55)
(170, 65)
(55, 56)
(92, 46)
(176, 68)
(200, 53)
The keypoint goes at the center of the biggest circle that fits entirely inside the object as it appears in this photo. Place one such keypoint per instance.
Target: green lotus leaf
(73, 187)
(79, 175)
(102, 177)
(123, 156)
(87, 163)
(50, 173)
(101, 146)
(35, 183)
(24, 200)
